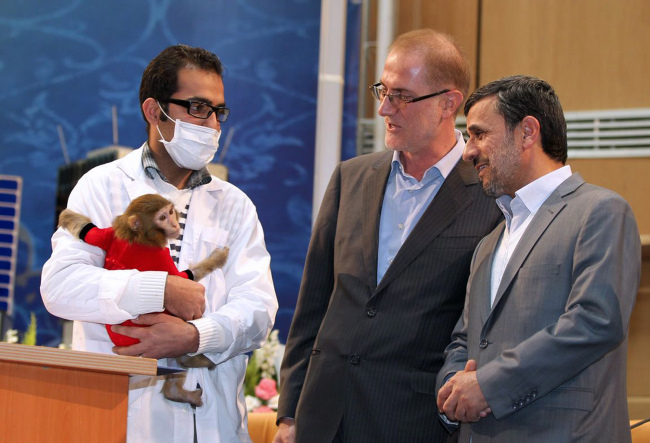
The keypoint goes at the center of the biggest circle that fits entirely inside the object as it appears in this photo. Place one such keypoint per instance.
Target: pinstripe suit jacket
(552, 350)
(367, 355)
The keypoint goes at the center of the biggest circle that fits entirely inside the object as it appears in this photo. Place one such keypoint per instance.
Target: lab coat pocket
(209, 239)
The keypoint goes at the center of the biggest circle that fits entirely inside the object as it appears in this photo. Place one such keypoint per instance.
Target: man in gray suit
(539, 354)
(384, 281)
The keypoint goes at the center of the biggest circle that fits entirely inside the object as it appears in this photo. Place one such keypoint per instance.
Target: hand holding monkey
(165, 336)
(184, 298)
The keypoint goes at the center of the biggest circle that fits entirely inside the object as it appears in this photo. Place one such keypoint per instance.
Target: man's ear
(151, 111)
(530, 131)
(453, 99)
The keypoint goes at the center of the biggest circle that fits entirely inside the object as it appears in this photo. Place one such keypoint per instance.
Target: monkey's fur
(137, 226)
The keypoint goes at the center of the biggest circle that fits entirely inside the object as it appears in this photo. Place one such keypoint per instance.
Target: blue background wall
(67, 62)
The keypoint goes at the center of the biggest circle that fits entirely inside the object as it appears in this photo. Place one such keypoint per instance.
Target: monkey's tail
(216, 260)
(73, 222)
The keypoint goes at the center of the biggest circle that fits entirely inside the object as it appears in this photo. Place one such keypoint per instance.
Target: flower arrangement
(261, 382)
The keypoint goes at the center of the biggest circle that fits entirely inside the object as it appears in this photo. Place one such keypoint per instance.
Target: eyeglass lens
(379, 92)
(201, 110)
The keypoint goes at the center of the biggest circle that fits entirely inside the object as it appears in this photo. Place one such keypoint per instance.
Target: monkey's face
(167, 221)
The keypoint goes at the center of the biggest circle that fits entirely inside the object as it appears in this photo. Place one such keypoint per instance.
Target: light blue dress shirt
(406, 199)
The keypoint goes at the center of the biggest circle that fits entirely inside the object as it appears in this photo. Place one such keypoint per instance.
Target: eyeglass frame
(187, 104)
(375, 93)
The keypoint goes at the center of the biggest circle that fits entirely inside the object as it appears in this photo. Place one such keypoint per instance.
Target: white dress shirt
(519, 212)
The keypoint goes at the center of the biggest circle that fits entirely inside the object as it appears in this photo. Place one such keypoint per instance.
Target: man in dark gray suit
(385, 275)
(540, 352)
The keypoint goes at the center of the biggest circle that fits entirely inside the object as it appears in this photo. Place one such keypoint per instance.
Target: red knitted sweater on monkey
(120, 254)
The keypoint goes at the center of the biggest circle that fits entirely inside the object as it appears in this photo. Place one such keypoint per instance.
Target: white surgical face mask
(192, 146)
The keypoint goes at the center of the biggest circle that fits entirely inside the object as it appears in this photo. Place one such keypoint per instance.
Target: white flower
(252, 403)
(273, 402)
(11, 336)
(266, 355)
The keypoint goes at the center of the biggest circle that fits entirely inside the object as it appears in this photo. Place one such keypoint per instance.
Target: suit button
(534, 393)
(355, 359)
(515, 406)
(521, 403)
(371, 312)
(483, 344)
(528, 397)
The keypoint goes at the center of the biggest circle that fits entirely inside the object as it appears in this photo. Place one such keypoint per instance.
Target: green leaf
(30, 334)
(252, 377)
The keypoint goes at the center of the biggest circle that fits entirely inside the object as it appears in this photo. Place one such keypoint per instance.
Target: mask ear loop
(162, 139)
(163, 111)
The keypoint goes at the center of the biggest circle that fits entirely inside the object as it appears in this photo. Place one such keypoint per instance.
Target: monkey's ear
(134, 222)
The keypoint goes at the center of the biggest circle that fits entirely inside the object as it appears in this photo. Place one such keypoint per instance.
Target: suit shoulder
(365, 160)
(597, 195)
(470, 178)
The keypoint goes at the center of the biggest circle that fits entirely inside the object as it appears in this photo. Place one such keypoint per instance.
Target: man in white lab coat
(227, 314)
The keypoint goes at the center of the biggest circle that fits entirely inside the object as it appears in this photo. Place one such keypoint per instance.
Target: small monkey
(138, 240)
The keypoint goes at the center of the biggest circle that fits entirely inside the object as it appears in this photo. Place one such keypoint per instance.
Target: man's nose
(212, 122)
(386, 107)
(469, 152)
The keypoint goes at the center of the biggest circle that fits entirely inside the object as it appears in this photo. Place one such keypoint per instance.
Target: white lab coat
(240, 299)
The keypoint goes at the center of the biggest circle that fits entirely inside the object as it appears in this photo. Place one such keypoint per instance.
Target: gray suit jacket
(552, 350)
(365, 356)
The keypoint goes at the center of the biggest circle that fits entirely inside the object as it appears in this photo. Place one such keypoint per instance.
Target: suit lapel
(545, 215)
(374, 187)
(448, 203)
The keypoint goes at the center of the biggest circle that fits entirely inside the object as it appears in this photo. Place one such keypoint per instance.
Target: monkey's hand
(214, 261)
(184, 298)
(166, 337)
(73, 222)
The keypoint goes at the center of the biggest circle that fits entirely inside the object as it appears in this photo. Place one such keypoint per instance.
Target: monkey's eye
(162, 217)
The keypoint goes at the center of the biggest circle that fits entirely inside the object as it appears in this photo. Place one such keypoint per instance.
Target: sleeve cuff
(144, 293)
(212, 336)
(446, 421)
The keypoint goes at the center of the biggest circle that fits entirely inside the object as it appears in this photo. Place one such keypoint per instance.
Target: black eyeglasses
(397, 100)
(201, 110)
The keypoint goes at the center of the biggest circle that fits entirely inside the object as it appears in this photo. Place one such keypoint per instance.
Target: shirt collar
(444, 165)
(197, 178)
(535, 193)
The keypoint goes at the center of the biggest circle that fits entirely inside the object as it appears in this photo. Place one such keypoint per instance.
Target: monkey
(138, 240)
